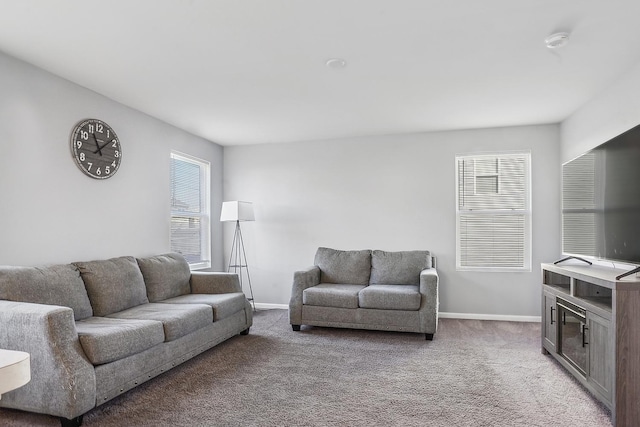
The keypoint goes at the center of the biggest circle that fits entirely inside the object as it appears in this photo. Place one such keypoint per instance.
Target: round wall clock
(96, 148)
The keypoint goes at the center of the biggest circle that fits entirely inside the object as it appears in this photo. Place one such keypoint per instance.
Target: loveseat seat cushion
(390, 297)
(332, 295)
(224, 305)
(398, 268)
(113, 285)
(178, 320)
(54, 285)
(350, 267)
(165, 276)
(104, 339)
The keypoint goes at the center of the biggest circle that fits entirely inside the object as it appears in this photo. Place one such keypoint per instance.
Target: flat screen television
(601, 201)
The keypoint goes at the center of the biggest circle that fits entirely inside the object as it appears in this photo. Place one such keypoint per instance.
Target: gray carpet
(474, 373)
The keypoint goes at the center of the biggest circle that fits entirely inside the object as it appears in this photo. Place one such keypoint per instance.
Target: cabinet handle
(552, 309)
(584, 335)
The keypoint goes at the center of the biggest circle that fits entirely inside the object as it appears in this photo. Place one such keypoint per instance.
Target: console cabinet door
(549, 321)
(600, 368)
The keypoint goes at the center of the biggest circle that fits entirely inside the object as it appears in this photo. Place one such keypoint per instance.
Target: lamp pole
(238, 261)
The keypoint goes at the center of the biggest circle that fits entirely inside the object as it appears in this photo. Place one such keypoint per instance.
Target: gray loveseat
(395, 291)
(97, 329)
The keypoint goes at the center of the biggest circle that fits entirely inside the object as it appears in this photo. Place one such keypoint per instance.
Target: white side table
(15, 370)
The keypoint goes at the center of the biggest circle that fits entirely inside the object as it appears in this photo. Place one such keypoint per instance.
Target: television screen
(601, 201)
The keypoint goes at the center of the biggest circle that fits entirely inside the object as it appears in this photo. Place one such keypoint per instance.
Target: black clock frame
(96, 149)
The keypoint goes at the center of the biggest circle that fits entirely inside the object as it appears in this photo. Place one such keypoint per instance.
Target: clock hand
(100, 147)
(99, 150)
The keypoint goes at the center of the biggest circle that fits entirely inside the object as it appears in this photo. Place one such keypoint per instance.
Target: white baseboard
(470, 316)
(267, 306)
(477, 316)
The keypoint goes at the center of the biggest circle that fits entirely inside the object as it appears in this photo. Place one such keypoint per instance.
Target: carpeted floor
(474, 373)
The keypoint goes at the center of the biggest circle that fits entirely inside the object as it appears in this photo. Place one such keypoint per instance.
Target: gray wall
(49, 211)
(391, 192)
(614, 111)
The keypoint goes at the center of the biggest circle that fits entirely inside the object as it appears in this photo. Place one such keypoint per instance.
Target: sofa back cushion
(113, 285)
(344, 267)
(398, 268)
(55, 285)
(165, 276)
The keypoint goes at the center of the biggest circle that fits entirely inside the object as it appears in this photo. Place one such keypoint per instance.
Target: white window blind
(190, 219)
(493, 212)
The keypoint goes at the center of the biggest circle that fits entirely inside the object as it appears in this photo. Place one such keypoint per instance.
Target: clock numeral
(84, 134)
(115, 143)
(82, 156)
(108, 132)
(113, 164)
(107, 170)
(90, 164)
(98, 172)
(79, 144)
(99, 128)
(116, 154)
(91, 129)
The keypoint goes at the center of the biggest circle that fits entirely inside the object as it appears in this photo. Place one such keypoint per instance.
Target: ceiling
(253, 71)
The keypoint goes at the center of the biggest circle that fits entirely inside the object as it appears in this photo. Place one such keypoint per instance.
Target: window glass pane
(190, 220)
(185, 186)
(492, 240)
(186, 235)
(506, 190)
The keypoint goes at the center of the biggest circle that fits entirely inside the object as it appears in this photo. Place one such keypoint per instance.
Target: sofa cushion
(351, 267)
(178, 320)
(104, 339)
(398, 268)
(113, 284)
(390, 297)
(224, 305)
(332, 295)
(165, 276)
(54, 285)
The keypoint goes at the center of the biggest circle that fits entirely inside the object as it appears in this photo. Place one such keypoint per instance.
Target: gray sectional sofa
(97, 329)
(395, 291)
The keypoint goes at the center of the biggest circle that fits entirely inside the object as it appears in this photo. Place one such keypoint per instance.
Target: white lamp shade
(237, 211)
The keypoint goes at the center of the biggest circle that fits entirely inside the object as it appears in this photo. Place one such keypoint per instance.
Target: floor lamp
(238, 211)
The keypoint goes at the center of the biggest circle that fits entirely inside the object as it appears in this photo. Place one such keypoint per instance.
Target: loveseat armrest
(302, 280)
(429, 283)
(204, 282)
(63, 381)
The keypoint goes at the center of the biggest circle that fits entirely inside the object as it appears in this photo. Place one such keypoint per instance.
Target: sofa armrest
(302, 280)
(203, 282)
(429, 283)
(63, 381)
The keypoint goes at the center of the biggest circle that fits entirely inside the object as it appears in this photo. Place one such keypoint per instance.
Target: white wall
(612, 112)
(50, 212)
(393, 193)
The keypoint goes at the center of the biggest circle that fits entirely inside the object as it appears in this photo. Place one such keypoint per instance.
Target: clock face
(96, 148)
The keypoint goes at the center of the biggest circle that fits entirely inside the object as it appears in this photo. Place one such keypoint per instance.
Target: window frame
(204, 216)
(526, 212)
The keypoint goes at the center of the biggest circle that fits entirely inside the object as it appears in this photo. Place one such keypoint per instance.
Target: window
(190, 219)
(493, 212)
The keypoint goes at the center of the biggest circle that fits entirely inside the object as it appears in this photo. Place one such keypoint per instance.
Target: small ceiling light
(557, 40)
(336, 63)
